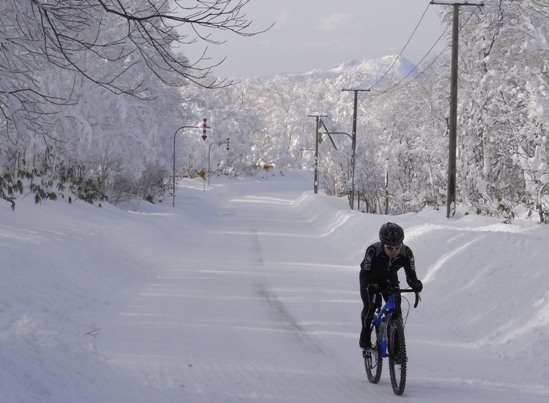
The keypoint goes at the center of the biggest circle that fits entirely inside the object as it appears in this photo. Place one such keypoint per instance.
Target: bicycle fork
(382, 321)
(382, 335)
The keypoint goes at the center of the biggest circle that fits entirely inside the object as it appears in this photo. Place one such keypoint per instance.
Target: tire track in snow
(327, 371)
(264, 290)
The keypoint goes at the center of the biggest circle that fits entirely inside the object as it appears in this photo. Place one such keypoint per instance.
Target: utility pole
(317, 141)
(353, 145)
(329, 133)
(452, 125)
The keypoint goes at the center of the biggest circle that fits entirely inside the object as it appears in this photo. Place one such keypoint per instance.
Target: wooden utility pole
(317, 141)
(353, 145)
(452, 145)
(452, 125)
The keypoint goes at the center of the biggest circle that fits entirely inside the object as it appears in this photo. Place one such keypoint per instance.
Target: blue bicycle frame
(383, 317)
(389, 340)
(380, 322)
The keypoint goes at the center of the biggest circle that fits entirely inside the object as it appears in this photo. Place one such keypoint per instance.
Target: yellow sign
(202, 173)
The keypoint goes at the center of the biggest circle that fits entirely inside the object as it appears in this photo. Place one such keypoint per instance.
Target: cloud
(334, 22)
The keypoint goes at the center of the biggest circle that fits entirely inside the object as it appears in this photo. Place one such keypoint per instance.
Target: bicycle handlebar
(390, 290)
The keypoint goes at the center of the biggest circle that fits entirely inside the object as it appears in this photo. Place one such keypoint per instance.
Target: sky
(247, 291)
(320, 34)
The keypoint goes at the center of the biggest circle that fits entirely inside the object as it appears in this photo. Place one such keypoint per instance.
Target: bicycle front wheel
(397, 356)
(372, 358)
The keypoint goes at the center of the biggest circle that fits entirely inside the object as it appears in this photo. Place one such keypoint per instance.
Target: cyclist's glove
(417, 286)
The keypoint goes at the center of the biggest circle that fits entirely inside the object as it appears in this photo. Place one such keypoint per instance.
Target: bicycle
(388, 339)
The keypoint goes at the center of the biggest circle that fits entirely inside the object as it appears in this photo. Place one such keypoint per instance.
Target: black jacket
(376, 267)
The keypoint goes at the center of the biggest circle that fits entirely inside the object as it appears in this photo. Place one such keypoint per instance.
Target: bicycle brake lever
(418, 298)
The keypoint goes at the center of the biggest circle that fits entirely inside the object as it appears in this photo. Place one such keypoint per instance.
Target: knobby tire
(372, 359)
(397, 356)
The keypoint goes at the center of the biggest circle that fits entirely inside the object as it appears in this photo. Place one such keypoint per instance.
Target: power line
(396, 86)
(418, 64)
(403, 49)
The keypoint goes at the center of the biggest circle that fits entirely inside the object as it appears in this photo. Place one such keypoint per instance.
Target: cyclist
(381, 262)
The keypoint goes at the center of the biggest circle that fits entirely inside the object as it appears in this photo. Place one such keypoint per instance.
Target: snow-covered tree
(502, 117)
(68, 65)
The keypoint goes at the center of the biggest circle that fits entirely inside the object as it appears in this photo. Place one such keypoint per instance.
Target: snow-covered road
(248, 291)
(264, 311)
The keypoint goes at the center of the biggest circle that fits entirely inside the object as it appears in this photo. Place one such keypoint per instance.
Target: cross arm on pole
(456, 3)
(328, 133)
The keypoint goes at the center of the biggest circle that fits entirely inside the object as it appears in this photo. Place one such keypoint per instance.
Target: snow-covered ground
(248, 291)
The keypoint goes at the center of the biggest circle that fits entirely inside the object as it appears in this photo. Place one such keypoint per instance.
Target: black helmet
(391, 234)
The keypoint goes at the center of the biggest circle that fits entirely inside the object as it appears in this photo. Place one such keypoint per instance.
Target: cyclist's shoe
(367, 352)
(364, 344)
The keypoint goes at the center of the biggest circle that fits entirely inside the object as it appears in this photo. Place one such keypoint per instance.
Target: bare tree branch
(78, 32)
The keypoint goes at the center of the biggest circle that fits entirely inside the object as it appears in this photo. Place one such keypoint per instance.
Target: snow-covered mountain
(372, 69)
(374, 66)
